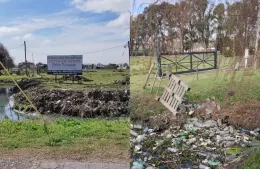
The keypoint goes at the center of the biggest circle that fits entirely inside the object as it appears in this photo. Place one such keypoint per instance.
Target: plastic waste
(186, 165)
(137, 127)
(173, 150)
(245, 130)
(203, 167)
(133, 133)
(146, 130)
(213, 163)
(140, 138)
(137, 165)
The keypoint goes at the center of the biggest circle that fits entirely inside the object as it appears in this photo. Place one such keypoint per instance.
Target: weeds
(32, 134)
(249, 154)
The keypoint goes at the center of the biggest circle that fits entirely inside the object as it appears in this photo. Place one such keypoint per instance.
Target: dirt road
(19, 164)
(57, 159)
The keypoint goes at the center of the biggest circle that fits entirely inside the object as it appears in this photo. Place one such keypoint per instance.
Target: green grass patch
(226, 86)
(101, 78)
(63, 133)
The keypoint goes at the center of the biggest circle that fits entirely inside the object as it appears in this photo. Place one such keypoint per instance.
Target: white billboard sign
(65, 64)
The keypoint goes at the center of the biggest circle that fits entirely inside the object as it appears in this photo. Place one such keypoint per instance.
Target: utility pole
(257, 34)
(33, 63)
(129, 50)
(25, 59)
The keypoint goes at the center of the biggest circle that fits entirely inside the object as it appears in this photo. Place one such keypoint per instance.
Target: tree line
(228, 27)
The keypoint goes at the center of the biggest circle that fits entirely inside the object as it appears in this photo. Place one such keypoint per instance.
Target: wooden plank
(154, 80)
(168, 107)
(149, 73)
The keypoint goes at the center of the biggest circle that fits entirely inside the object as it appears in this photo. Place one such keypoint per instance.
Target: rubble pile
(77, 103)
(195, 142)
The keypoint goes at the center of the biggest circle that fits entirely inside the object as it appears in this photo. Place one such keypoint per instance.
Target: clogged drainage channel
(194, 143)
(6, 103)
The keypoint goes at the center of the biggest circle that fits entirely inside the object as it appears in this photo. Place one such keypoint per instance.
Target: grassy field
(101, 78)
(245, 84)
(66, 134)
(99, 138)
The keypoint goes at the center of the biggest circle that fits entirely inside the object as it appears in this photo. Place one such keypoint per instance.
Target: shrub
(228, 53)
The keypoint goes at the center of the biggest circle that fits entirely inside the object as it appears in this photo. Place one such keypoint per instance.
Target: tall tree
(6, 60)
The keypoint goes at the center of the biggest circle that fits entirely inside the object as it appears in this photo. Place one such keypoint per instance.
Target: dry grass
(242, 114)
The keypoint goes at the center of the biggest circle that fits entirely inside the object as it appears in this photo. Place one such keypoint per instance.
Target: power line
(16, 47)
(105, 49)
(37, 52)
(85, 53)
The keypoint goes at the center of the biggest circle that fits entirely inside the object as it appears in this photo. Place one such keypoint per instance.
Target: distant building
(122, 67)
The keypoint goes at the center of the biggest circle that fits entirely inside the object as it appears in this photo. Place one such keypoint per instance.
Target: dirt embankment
(75, 103)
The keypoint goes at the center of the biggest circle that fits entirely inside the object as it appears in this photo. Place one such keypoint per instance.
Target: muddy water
(5, 107)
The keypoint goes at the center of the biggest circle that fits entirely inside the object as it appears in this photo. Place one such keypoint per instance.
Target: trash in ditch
(137, 165)
(201, 166)
(186, 165)
(213, 163)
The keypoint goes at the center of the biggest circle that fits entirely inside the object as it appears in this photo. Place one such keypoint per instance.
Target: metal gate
(191, 61)
(173, 93)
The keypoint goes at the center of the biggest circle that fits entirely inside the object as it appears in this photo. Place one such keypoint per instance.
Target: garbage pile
(26, 84)
(93, 103)
(197, 143)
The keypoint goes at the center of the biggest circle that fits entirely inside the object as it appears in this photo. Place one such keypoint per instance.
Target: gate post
(216, 59)
(158, 53)
(190, 61)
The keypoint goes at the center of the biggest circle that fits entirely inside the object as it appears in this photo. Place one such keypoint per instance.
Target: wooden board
(173, 93)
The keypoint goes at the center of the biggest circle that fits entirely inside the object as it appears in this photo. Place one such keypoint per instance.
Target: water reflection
(6, 111)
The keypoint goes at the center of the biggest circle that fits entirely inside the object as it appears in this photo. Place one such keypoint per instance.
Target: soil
(24, 158)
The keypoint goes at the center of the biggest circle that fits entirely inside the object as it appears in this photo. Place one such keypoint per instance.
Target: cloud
(28, 36)
(46, 41)
(99, 6)
(24, 37)
(122, 21)
(5, 29)
(76, 38)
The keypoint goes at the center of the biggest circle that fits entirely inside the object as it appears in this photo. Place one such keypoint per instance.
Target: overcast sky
(66, 27)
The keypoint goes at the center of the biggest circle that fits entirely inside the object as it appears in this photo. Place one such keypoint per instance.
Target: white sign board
(65, 64)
